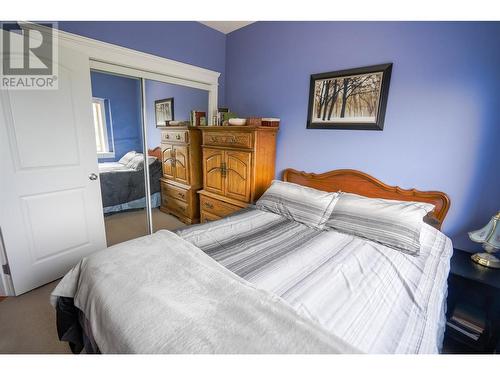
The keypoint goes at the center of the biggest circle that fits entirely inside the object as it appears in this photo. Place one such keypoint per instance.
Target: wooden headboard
(352, 181)
(156, 152)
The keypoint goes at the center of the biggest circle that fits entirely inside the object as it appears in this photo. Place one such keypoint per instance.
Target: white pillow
(306, 205)
(137, 162)
(125, 159)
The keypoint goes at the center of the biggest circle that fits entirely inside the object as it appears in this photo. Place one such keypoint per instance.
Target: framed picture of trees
(349, 99)
(164, 112)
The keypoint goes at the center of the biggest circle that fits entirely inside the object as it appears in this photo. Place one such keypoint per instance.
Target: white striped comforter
(375, 298)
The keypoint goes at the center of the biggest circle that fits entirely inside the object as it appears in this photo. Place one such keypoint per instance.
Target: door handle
(223, 169)
(92, 177)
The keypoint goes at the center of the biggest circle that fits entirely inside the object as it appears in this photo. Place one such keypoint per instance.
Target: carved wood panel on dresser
(167, 151)
(213, 180)
(182, 176)
(237, 179)
(182, 166)
(238, 166)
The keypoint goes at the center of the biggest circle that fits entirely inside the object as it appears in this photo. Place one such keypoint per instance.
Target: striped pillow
(395, 224)
(306, 205)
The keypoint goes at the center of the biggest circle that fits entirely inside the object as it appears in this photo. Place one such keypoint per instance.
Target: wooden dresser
(182, 177)
(238, 166)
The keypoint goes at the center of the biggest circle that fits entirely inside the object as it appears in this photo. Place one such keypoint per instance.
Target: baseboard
(3, 291)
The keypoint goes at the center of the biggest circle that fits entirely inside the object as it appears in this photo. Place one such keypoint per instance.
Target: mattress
(113, 167)
(135, 204)
(375, 298)
(126, 186)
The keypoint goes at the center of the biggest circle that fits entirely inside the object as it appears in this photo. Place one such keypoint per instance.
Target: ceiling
(226, 26)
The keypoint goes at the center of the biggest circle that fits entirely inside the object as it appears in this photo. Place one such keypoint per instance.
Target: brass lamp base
(486, 259)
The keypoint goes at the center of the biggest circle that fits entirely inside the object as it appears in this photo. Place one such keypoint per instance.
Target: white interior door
(51, 213)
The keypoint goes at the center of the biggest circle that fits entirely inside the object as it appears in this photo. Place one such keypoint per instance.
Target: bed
(346, 294)
(122, 184)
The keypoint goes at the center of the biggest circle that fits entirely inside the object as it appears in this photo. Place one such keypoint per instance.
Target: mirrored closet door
(117, 114)
(147, 130)
(176, 176)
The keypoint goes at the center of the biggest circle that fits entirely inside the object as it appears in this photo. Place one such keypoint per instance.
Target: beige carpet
(28, 322)
(124, 226)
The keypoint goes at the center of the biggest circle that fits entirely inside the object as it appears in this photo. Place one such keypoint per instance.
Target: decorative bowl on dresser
(182, 178)
(238, 166)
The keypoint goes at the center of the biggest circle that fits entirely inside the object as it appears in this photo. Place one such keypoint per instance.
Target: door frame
(112, 58)
(6, 284)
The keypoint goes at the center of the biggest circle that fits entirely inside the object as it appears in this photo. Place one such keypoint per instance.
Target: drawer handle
(167, 136)
(179, 208)
(178, 136)
(180, 195)
(209, 205)
(223, 169)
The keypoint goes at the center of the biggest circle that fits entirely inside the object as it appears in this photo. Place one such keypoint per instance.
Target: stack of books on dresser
(468, 321)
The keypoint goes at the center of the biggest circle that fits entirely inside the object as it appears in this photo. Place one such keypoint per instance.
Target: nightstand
(472, 287)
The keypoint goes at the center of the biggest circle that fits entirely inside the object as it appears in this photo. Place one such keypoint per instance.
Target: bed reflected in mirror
(166, 152)
(117, 114)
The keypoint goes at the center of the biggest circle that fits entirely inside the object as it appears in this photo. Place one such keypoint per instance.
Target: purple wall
(124, 98)
(185, 100)
(188, 42)
(441, 128)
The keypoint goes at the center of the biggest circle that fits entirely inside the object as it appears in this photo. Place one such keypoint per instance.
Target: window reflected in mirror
(117, 114)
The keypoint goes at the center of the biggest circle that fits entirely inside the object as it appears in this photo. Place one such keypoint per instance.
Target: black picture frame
(378, 124)
(161, 122)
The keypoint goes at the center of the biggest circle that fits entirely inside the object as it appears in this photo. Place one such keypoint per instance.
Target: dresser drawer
(207, 216)
(175, 205)
(231, 139)
(175, 136)
(174, 192)
(217, 207)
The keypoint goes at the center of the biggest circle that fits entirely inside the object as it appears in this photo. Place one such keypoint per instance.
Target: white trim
(105, 67)
(105, 155)
(6, 285)
(113, 54)
(110, 53)
(112, 58)
(104, 129)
